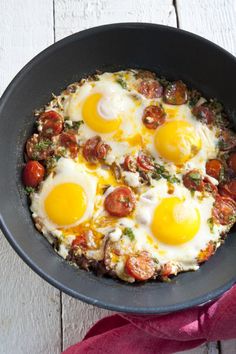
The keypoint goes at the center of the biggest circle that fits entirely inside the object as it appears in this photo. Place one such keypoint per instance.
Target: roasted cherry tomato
(214, 168)
(150, 88)
(68, 140)
(153, 116)
(208, 186)
(51, 123)
(224, 210)
(205, 254)
(80, 241)
(204, 114)
(38, 148)
(176, 93)
(130, 164)
(141, 267)
(232, 161)
(166, 270)
(144, 163)
(33, 173)
(120, 202)
(228, 189)
(95, 149)
(193, 180)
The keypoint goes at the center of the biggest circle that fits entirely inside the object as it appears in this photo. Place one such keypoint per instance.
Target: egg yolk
(93, 117)
(177, 141)
(66, 204)
(174, 223)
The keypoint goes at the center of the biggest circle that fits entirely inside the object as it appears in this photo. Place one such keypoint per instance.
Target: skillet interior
(173, 53)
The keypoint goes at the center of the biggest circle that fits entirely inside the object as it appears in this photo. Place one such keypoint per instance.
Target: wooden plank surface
(29, 307)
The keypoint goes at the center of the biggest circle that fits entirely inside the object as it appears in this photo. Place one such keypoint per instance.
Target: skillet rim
(209, 296)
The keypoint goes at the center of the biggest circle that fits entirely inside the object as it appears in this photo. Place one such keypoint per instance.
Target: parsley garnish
(210, 223)
(129, 232)
(195, 177)
(72, 125)
(43, 144)
(161, 172)
(29, 190)
(121, 82)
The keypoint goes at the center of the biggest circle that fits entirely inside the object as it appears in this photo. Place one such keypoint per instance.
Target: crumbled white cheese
(131, 178)
(110, 158)
(115, 235)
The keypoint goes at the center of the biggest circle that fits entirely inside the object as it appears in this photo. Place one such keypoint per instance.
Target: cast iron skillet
(170, 52)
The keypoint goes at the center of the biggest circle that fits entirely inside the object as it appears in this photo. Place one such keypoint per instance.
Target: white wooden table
(35, 318)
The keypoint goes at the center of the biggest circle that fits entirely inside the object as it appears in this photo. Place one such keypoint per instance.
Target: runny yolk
(66, 204)
(93, 117)
(174, 223)
(177, 141)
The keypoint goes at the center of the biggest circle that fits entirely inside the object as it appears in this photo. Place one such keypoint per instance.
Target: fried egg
(66, 198)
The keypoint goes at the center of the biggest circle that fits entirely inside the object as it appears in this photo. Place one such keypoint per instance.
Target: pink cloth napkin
(150, 334)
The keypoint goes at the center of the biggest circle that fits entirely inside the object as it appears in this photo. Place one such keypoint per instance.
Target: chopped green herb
(43, 144)
(73, 125)
(29, 190)
(129, 232)
(196, 177)
(155, 260)
(232, 219)
(222, 174)
(162, 80)
(194, 97)
(192, 191)
(210, 223)
(161, 172)
(121, 82)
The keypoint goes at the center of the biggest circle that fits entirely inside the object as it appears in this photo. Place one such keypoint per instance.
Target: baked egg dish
(132, 176)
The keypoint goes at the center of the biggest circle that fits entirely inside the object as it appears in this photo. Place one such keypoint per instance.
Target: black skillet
(170, 52)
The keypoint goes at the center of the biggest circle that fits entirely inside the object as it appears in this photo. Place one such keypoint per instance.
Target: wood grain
(29, 307)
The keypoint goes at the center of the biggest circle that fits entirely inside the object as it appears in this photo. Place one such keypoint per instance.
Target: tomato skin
(120, 202)
(68, 140)
(228, 189)
(232, 161)
(204, 114)
(150, 88)
(144, 163)
(166, 270)
(224, 210)
(51, 123)
(153, 117)
(33, 173)
(79, 241)
(176, 93)
(130, 164)
(214, 168)
(95, 149)
(193, 180)
(141, 267)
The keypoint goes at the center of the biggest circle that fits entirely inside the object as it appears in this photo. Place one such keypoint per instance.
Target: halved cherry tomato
(120, 202)
(224, 210)
(232, 161)
(33, 173)
(176, 93)
(166, 270)
(150, 88)
(51, 123)
(228, 189)
(214, 168)
(68, 140)
(130, 164)
(153, 116)
(193, 180)
(95, 149)
(209, 186)
(204, 114)
(141, 267)
(38, 148)
(205, 254)
(145, 162)
(80, 241)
